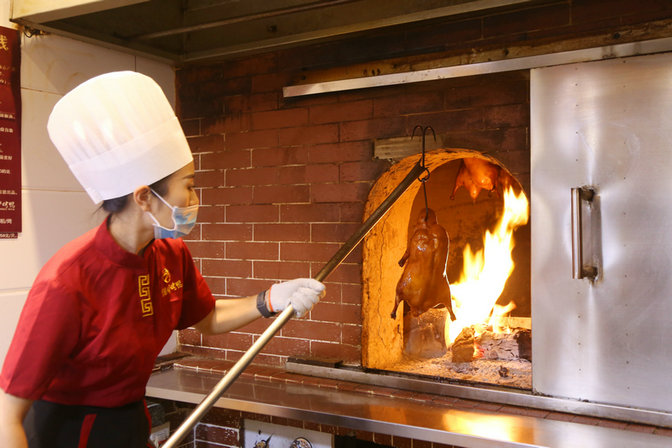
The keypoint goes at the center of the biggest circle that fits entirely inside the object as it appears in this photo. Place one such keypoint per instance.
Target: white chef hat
(117, 132)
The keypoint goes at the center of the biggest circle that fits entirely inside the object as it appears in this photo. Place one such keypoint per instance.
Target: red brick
(281, 270)
(344, 314)
(251, 139)
(305, 213)
(282, 118)
(507, 88)
(264, 101)
(236, 104)
(352, 294)
(217, 285)
(333, 291)
(230, 340)
(317, 331)
(382, 439)
(350, 192)
(215, 434)
(364, 435)
(468, 120)
(421, 444)
(206, 249)
(516, 115)
(252, 251)
(347, 353)
(224, 125)
(227, 232)
(393, 106)
(636, 427)
(364, 170)
(281, 194)
(191, 127)
(279, 156)
(322, 173)
(292, 175)
(347, 273)
(210, 213)
(308, 135)
(209, 178)
(333, 233)
(226, 268)
(335, 113)
(351, 334)
(206, 143)
(401, 442)
(288, 346)
(544, 17)
(238, 287)
(340, 152)
(270, 81)
(307, 251)
(252, 213)
(371, 129)
(226, 159)
(352, 212)
(189, 337)
(238, 122)
(234, 195)
(663, 432)
(281, 232)
(252, 176)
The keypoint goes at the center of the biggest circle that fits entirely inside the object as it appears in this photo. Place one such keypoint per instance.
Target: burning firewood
(463, 347)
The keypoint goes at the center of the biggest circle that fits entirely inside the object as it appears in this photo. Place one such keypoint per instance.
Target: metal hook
(424, 177)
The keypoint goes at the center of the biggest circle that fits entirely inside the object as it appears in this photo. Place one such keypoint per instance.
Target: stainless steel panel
(405, 417)
(607, 125)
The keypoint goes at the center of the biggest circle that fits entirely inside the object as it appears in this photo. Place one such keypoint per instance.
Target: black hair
(116, 205)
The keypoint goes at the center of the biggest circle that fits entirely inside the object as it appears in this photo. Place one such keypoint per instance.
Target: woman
(103, 307)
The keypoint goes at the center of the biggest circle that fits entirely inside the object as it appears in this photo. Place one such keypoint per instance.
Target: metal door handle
(578, 269)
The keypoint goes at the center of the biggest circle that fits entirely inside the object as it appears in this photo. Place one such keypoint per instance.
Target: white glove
(302, 293)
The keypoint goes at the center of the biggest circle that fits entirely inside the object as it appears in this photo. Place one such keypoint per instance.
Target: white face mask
(184, 220)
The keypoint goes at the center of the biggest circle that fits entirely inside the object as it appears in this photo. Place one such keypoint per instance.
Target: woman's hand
(301, 293)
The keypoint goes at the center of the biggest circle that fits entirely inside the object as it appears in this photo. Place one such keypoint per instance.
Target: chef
(103, 307)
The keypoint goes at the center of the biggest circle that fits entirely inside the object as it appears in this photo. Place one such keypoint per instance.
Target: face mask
(184, 219)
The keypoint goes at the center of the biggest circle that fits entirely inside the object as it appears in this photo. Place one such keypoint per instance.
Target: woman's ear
(143, 197)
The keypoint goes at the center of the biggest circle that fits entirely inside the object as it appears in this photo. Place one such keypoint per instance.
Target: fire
(485, 273)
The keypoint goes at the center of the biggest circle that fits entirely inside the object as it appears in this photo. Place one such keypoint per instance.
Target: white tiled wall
(55, 207)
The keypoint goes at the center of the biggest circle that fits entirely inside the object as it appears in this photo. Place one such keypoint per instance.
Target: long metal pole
(209, 401)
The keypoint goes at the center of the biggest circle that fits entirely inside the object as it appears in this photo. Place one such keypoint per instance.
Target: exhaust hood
(183, 31)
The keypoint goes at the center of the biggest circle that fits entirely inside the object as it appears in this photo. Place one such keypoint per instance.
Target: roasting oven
(592, 266)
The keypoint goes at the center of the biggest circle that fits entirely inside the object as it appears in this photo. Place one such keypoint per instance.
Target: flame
(484, 273)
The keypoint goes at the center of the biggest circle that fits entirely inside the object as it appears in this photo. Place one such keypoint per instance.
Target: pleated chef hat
(117, 132)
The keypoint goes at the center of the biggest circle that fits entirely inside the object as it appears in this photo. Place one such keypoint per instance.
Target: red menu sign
(10, 134)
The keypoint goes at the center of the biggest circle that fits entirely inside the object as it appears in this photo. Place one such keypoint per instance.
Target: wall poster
(10, 133)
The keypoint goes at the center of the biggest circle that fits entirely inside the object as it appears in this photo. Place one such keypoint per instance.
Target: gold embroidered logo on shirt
(166, 275)
(145, 299)
(170, 287)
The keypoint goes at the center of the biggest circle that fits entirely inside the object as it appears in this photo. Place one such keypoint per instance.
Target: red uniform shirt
(96, 318)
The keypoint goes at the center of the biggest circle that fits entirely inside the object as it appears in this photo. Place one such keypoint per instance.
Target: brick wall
(283, 182)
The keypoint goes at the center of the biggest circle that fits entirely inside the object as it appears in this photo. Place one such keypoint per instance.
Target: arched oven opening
(406, 327)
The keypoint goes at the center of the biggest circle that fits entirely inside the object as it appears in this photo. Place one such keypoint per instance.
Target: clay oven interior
(417, 345)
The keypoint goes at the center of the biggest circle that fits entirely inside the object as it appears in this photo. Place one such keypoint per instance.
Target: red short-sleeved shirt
(96, 318)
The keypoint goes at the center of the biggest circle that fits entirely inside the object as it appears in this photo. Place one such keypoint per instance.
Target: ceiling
(183, 31)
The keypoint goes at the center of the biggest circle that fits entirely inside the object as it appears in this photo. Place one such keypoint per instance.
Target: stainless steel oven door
(601, 161)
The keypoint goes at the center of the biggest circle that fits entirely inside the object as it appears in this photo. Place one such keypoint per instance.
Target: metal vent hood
(185, 31)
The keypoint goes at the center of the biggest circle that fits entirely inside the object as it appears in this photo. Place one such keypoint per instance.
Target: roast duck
(423, 284)
(477, 174)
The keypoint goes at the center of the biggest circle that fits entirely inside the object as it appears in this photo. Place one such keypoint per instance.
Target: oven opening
(457, 309)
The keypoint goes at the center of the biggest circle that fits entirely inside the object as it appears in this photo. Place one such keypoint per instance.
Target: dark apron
(51, 425)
